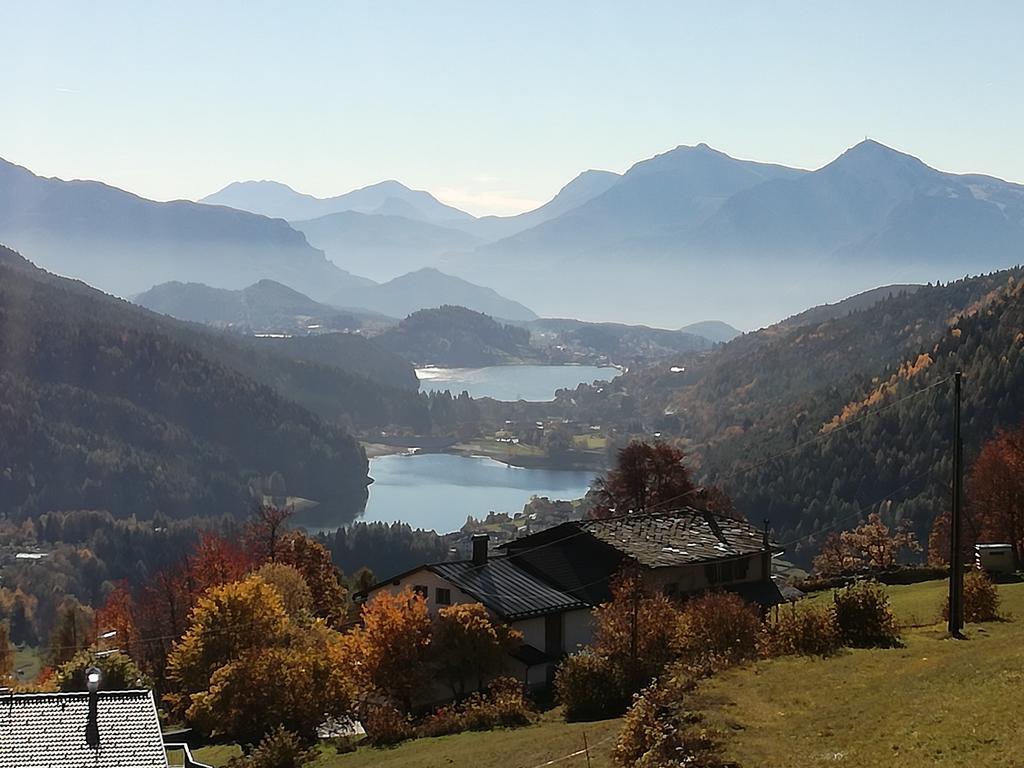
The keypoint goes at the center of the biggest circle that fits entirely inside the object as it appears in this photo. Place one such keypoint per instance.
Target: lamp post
(92, 730)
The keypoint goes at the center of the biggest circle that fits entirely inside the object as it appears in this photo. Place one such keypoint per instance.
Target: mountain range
(693, 232)
(270, 306)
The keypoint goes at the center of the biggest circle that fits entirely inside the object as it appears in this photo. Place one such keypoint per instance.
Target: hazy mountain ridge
(382, 246)
(271, 198)
(123, 243)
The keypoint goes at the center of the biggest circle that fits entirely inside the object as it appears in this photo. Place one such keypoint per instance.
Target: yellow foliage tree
(392, 647)
(468, 644)
(226, 623)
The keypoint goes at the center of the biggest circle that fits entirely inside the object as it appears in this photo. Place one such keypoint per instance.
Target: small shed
(995, 558)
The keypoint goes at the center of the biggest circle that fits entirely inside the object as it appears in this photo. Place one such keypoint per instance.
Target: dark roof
(577, 564)
(47, 730)
(764, 593)
(531, 656)
(680, 537)
(505, 588)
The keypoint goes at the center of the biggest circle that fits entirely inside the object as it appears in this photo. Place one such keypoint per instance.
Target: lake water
(512, 382)
(440, 490)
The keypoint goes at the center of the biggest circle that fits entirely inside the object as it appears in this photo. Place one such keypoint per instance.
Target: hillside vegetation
(458, 337)
(105, 406)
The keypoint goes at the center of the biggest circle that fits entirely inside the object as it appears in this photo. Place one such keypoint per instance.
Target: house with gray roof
(546, 584)
(105, 729)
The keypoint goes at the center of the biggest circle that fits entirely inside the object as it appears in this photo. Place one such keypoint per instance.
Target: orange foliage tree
(650, 617)
(870, 546)
(646, 477)
(392, 647)
(995, 490)
(469, 644)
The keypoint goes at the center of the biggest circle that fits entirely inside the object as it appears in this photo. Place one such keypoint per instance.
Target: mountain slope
(108, 407)
(426, 288)
(261, 307)
(674, 191)
(580, 190)
(123, 243)
(873, 202)
(271, 198)
(382, 246)
(713, 330)
(456, 336)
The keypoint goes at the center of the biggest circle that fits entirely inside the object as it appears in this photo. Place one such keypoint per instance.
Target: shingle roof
(678, 537)
(505, 588)
(47, 730)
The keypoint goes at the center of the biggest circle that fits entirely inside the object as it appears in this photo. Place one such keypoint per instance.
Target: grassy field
(938, 701)
(529, 747)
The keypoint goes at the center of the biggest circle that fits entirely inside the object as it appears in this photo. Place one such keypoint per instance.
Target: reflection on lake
(439, 490)
(512, 382)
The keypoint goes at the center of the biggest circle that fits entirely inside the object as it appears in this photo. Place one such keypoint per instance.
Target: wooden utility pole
(956, 559)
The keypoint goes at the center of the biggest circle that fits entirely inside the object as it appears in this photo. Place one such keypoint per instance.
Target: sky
(493, 107)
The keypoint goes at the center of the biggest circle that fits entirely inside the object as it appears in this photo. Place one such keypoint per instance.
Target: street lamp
(92, 729)
(92, 679)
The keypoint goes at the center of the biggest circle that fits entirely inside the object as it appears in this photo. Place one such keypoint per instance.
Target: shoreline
(584, 462)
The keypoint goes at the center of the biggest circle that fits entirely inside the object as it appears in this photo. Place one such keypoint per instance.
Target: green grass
(216, 754)
(30, 661)
(527, 747)
(936, 701)
(915, 605)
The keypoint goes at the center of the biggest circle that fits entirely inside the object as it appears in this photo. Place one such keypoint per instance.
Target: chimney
(480, 543)
(92, 728)
(766, 554)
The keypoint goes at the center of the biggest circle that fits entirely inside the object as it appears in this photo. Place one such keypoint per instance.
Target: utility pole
(956, 560)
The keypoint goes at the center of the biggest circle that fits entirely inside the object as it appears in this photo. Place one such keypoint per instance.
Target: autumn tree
(73, 631)
(296, 684)
(869, 546)
(995, 490)
(646, 477)
(227, 622)
(312, 560)
(265, 531)
(468, 643)
(393, 646)
(939, 542)
(292, 589)
(6, 655)
(636, 628)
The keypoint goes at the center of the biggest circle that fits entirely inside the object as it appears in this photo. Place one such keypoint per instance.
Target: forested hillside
(456, 336)
(105, 406)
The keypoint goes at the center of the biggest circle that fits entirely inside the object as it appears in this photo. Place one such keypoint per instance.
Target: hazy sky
(493, 107)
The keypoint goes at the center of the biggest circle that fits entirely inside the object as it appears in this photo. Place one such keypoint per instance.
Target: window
(729, 570)
(443, 596)
(421, 590)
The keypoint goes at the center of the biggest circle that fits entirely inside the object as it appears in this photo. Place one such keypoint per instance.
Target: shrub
(503, 705)
(384, 724)
(117, 672)
(718, 626)
(591, 687)
(981, 599)
(863, 617)
(804, 631)
(278, 749)
(659, 732)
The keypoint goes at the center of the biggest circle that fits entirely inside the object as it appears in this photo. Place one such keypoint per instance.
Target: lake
(439, 491)
(512, 382)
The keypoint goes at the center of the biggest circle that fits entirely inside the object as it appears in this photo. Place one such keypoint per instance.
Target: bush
(117, 672)
(591, 687)
(863, 617)
(384, 724)
(804, 631)
(659, 732)
(503, 705)
(720, 627)
(981, 599)
(278, 749)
